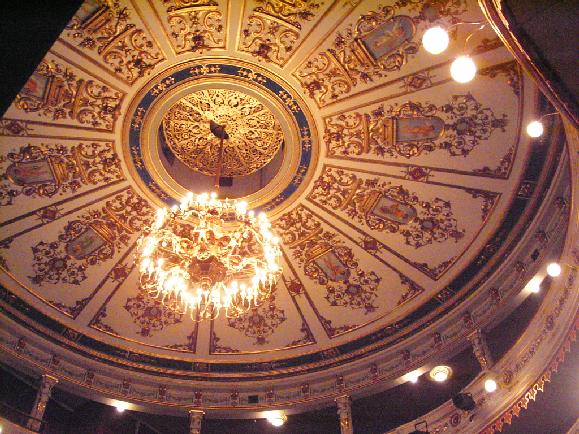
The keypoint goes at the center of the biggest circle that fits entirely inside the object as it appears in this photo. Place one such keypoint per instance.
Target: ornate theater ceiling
(390, 185)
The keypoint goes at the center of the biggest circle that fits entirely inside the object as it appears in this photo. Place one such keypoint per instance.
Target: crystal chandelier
(209, 255)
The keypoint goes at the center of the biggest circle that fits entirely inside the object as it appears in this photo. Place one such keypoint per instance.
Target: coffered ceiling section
(383, 177)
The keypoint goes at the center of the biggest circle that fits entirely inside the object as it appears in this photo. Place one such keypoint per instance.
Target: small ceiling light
(413, 376)
(121, 406)
(463, 69)
(440, 373)
(535, 129)
(490, 385)
(534, 285)
(435, 40)
(553, 269)
(276, 418)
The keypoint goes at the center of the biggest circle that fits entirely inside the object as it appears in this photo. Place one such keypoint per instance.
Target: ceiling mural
(383, 177)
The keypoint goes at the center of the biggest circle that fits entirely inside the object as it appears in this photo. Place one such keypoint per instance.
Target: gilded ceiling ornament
(511, 70)
(93, 238)
(255, 136)
(260, 322)
(273, 28)
(328, 261)
(55, 92)
(504, 167)
(14, 127)
(385, 207)
(411, 129)
(150, 315)
(48, 169)
(380, 42)
(124, 47)
(195, 25)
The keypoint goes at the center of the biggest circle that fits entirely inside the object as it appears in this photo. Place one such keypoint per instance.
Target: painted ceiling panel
(390, 179)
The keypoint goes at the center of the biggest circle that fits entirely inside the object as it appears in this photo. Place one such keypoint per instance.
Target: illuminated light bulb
(435, 40)
(463, 69)
(121, 406)
(413, 376)
(440, 373)
(534, 286)
(535, 129)
(276, 419)
(490, 385)
(554, 269)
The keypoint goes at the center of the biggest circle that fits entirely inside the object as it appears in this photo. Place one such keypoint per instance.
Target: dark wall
(28, 30)
(549, 32)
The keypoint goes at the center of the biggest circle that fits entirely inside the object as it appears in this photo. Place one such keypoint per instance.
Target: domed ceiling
(383, 177)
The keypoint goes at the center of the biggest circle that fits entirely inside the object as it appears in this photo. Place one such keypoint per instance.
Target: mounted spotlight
(535, 128)
(464, 401)
(554, 269)
(420, 428)
(276, 418)
(440, 373)
(534, 285)
(121, 406)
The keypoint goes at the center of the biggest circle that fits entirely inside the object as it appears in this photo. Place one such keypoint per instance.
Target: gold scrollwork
(273, 29)
(380, 42)
(46, 170)
(255, 136)
(55, 91)
(195, 25)
(125, 49)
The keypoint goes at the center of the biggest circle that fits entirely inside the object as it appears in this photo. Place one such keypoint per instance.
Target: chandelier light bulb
(435, 40)
(554, 269)
(209, 255)
(535, 129)
(463, 69)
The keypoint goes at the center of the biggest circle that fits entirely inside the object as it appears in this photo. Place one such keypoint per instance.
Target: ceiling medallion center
(255, 136)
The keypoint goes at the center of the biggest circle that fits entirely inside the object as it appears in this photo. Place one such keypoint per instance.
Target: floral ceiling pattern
(407, 177)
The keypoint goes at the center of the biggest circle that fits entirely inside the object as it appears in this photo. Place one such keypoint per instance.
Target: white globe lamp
(463, 69)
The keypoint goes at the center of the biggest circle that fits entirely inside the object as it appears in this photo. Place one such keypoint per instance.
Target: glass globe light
(553, 269)
(463, 69)
(435, 40)
(535, 129)
(490, 385)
